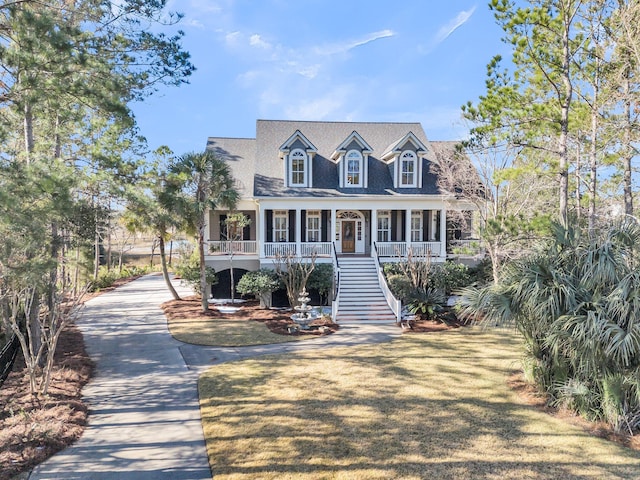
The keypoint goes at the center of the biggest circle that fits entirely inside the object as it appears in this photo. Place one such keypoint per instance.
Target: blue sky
(348, 60)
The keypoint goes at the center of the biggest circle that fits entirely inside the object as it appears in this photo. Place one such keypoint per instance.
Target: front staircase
(361, 300)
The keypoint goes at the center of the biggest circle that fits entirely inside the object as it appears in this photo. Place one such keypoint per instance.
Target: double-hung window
(297, 165)
(354, 168)
(416, 226)
(384, 226)
(280, 226)
(313, 225)
(408, 164)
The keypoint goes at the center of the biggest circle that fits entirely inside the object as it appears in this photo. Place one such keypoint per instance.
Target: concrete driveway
(144, 418)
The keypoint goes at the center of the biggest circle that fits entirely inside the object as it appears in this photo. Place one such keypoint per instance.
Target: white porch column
(407, 228)
(298, 232)
(374, 226)
(262, 231)
(332, 229)
(443, 233)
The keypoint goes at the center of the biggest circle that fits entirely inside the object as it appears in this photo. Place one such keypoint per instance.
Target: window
(313, 225)
(298, 161)
(280, 226)
(408, 162)
(416, 226)
(384, 226)
(354, 168)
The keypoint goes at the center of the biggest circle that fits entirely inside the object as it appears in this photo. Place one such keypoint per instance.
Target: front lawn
(435, 406)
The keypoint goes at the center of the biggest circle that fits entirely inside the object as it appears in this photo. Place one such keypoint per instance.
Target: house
(336, 190)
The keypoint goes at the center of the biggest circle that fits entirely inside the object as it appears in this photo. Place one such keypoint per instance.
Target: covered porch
(388, 233)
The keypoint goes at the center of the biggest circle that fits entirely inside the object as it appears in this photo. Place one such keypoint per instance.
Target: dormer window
(408, 168)
(297, 166)
(354, 168)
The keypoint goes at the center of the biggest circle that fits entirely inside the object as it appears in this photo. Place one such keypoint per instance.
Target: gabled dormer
(297, 154)
(405, 158)
(352, 157)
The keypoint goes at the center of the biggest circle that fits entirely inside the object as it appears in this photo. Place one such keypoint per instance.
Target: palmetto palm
(577, 304)
(197, 183)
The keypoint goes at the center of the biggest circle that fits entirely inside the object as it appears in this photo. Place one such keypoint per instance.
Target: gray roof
(258, 165)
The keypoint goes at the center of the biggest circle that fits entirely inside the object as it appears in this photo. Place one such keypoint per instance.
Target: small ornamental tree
(261, 284)
(294, 273)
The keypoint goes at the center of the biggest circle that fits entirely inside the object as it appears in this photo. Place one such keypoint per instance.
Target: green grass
(422, 407)
(225, 332)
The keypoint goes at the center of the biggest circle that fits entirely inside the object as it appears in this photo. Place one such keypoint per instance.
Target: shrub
(427, 302)
(106, 278)
(449, 277)
(260, 284)
(321, 279)
(400, 286)
(189, 272)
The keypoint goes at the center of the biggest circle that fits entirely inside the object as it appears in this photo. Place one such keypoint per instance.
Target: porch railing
(336, 283)
(240, 247)
(399, 249)
(392, 301)
(274, 249)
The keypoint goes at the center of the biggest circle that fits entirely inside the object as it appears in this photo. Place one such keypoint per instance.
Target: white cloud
(347, 45)
(256, 40)
(447, 29)
(232, 38)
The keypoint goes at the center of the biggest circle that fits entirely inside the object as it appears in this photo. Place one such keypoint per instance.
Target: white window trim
(296, 154)
(315, 215)
(277, 232)
(360, 160)
(382, 215)
(413, 158)
(416, 233)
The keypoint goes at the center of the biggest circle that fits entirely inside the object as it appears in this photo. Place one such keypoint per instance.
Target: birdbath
(303, 316)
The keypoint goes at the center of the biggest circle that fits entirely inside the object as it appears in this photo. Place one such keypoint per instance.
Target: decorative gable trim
(345, 176)
(393, 151)
(296, 174)
(339, 152)
(297, 135)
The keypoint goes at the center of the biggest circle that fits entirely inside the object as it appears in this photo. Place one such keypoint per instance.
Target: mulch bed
(276, 320)
(32, 429)
(445, 320)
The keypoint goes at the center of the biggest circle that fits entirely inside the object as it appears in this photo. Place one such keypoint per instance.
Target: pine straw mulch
(277, 320)
(32, 429)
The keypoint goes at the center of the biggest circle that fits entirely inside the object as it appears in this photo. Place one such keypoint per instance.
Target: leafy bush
(321, 279)
(391, 268)
(482, 273)
(449, 276)
(107, 278)
(400, 286)
(189, 272)
(260, 284)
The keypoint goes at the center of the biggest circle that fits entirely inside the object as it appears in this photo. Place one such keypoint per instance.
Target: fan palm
(577, 305)
(197, 183)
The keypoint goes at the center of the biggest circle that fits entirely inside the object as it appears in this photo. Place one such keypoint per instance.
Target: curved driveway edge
(144, 414)
(144, 420)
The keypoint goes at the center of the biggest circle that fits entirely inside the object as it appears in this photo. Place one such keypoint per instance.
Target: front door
(348, 236)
